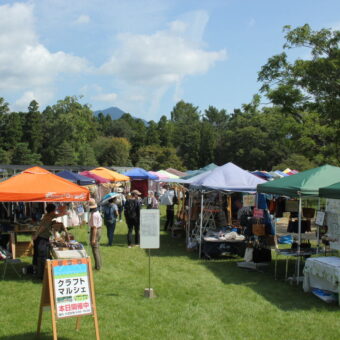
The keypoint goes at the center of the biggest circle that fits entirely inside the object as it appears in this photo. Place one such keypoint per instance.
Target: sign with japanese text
(71, 288)
(248, 200)
(149, 228)
(68, 290)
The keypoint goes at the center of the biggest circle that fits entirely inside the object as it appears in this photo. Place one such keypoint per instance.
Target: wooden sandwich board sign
(68, 290)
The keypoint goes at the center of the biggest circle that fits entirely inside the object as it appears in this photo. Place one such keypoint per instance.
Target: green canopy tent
(303, 184)
(306, 183)
(332, 191)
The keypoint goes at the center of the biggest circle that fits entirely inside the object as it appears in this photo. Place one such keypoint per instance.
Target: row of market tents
(38, 184)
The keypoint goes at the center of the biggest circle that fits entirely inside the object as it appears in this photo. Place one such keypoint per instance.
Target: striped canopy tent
(167, 174)
(160, 176)
(98, 179)
(112, 176)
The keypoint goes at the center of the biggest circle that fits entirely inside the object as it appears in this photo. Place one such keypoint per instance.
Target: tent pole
(318, 230)
(189, 217)
(201, 226)
(299, 239)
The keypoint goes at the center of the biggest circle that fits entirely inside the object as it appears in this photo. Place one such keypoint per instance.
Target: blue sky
(145, 55)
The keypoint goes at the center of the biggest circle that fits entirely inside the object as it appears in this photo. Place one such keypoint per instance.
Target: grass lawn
(196, 299)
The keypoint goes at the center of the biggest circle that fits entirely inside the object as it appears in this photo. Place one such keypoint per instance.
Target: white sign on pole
(320, 217)
(149, 228)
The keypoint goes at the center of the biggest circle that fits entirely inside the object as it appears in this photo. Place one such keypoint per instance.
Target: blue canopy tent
(138, 173)
(139, 180)
(262, 174)
(76, 178)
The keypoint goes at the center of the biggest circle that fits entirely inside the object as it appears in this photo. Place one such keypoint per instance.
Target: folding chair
(12, 263)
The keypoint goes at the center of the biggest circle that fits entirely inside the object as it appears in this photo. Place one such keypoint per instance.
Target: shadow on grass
(31, 335)
(11, 275)
(278, 292)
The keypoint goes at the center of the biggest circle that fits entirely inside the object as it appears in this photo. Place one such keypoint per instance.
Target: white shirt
(96, 220)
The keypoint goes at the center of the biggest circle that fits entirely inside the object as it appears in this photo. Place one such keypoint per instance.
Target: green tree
(112, 151)
(21, 154)
(33, 133)
(86, 155)
(295, 162)
(152, 134)
(155, 157)
(165, 131)
(311, 84)
(255, 139)
(67, 121)
(186, 135)
(4, 157)
(208, 144)
(65, 155)
(11, 130)
(138, 137)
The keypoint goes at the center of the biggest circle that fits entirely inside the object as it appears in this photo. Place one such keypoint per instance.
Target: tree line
(299, 128)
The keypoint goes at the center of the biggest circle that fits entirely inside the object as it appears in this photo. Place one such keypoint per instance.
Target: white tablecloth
(322, 272)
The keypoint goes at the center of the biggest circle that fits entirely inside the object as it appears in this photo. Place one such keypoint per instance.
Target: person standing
(110, 218)
(41, 239)
(120, 203)
(170, 209)
(95, 223)
(132, 214)
(151, 201)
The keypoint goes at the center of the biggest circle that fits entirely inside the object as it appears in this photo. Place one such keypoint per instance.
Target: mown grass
(196, 299)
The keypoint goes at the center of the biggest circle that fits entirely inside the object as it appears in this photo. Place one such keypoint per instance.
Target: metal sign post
(149, 239)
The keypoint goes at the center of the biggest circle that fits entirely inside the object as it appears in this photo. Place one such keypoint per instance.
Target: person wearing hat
(132, 213)
(41, 239)
(95, 223)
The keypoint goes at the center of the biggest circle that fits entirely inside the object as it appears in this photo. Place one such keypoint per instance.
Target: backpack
(109, 214)
(130, 209)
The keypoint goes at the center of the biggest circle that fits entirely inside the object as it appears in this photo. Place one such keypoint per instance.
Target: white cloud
(41, 95)
(82, 19)
(156, 62)
(105, 97)
(159, 59)
(24, 62)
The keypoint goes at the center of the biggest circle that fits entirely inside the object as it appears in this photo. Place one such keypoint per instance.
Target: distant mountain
(114, 112)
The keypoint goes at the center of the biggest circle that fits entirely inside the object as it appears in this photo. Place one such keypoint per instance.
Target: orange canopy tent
(39, 185)
(111, 175)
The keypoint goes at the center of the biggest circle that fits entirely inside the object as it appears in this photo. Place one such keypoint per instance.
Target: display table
(322, 273)
(289, 253)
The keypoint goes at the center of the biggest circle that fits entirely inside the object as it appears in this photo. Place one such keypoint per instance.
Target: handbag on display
(259, 229)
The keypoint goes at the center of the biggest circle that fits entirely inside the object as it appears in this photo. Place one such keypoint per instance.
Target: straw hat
(92, 203)
(136, 192)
